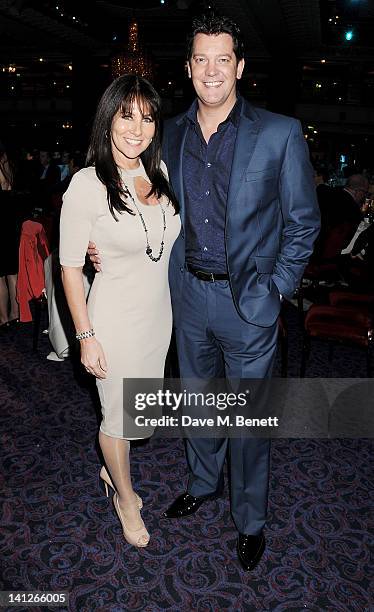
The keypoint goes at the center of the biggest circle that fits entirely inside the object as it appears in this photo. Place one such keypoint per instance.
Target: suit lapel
(246, 140)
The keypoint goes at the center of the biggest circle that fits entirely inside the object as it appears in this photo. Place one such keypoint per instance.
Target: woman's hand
(93, 358)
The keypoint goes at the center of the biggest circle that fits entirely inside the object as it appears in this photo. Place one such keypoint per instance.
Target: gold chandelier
(134, 60)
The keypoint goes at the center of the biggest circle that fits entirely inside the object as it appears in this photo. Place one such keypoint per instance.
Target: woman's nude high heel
(108, 482)
(137, 537)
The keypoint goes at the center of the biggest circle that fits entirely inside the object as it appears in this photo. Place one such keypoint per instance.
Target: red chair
(365, 301)
(323, 265)
(348, 319)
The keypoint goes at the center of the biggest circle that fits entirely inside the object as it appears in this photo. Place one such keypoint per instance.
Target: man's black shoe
(185, 505)
(250, 549)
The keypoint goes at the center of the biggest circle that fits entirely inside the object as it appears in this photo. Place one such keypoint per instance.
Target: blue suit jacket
(272, 214)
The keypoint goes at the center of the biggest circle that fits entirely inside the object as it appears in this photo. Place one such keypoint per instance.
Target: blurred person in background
(75, 163)
(49, 179)
(357, 267)
(65, 165)
(11, 219)
(348, 200)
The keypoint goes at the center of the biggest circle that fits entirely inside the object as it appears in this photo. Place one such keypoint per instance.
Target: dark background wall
(55, 61)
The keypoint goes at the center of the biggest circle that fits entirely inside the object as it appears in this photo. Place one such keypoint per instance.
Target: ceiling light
(134, 59)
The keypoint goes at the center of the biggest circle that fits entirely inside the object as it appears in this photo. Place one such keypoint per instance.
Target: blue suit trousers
(213, 341)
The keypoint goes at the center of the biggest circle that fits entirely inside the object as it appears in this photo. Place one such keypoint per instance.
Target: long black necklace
(148, 249)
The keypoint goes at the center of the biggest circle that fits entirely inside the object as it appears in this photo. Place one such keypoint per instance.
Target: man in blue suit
(249, 219)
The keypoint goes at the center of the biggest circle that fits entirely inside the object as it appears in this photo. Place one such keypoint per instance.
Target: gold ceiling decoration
(134, 59)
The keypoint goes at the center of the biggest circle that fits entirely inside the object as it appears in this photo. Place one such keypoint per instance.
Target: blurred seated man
(76, 162)
(341, 216)
(348, 201)
(64, 165)
(342, 210)
(357, 267)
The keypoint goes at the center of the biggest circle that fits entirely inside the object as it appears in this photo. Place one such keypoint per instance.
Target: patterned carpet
(59, 531)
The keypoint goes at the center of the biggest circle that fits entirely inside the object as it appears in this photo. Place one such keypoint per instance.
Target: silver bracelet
(85, 334)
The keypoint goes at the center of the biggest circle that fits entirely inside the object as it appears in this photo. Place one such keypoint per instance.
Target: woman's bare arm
(92, 355)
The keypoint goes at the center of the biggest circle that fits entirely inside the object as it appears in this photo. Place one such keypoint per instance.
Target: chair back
(336, 239)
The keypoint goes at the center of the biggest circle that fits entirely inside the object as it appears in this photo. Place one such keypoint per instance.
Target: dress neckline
(139, 171)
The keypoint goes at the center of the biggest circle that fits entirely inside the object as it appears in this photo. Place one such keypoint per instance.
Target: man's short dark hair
(213, 24)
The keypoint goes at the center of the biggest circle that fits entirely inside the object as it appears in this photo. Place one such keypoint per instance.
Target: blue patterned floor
(59, 531)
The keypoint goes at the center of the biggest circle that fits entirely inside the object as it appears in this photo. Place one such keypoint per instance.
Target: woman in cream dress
(123, 203)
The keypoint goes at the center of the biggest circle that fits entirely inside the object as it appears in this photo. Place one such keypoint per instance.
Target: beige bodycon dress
(129, 303)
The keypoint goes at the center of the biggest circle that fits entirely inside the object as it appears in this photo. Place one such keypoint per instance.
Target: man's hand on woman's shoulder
(93, 254)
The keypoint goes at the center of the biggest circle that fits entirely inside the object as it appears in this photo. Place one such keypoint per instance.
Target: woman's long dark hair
(120, 96)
